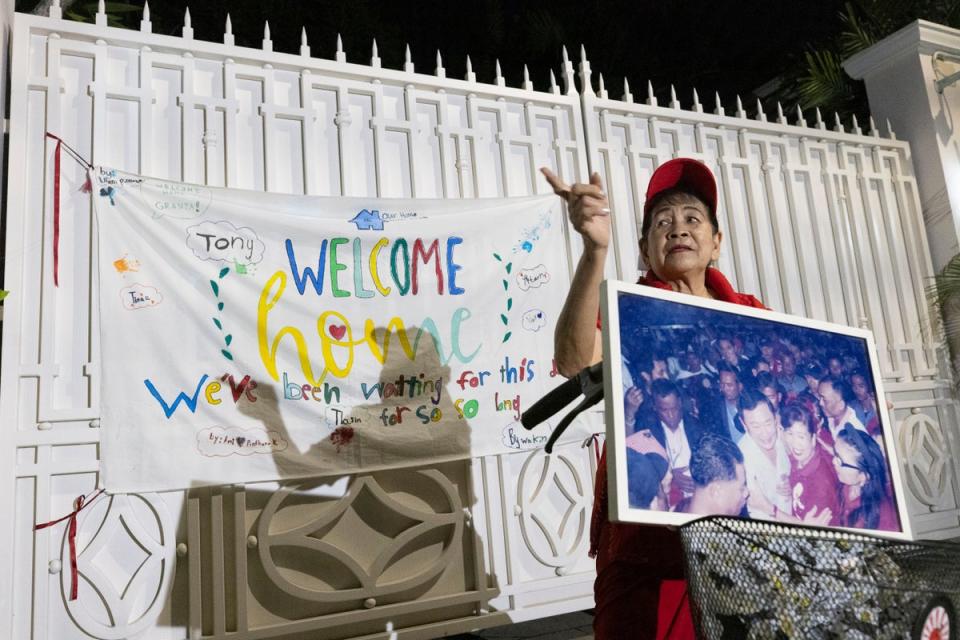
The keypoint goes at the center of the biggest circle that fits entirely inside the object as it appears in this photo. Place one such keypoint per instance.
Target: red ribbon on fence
(594, 439)
(78, 506)
(56, 209)
(61, 145)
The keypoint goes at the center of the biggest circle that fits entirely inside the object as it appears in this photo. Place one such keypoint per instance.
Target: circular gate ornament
(126, 555)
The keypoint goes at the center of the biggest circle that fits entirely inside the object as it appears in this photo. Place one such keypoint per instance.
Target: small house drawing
(368, 220)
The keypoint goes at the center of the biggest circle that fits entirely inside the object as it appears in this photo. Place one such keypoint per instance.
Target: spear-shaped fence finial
(187, 32)
(267, 42)
(304, 43)
(718, 105)
(470, 76)
(145, 25)
(761, 116)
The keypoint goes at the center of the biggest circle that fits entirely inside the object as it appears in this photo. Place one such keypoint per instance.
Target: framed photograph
(720, 409)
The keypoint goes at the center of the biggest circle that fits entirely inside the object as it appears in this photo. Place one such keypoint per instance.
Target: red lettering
(434, 251)
(237, 390)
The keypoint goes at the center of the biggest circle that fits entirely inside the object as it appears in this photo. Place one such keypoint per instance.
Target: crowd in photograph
(770, 424)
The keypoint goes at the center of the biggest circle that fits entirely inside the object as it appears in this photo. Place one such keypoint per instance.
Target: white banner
(249, 336)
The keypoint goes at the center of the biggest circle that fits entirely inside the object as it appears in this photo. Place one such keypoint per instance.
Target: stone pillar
(901, 73)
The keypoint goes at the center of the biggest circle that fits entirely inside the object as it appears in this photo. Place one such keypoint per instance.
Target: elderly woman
(679, 239)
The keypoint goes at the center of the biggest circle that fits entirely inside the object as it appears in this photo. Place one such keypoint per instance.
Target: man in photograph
(680, 435)
(792, 383)
(769, 387)
(770, 352)
(719, 479)
(693, 372)
(731, 352)
(835, 398)
(730, 389)
(765, 458)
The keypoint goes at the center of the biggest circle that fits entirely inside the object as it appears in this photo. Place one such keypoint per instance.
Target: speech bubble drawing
(533, 277)
(175, 199)
(514, 436)
(220, 442)
(534, 320)
(223, 242)
(140, 296)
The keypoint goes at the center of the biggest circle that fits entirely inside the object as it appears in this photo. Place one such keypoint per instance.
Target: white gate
(508, 534)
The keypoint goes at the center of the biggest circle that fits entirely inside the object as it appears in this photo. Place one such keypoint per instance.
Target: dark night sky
(728, 47)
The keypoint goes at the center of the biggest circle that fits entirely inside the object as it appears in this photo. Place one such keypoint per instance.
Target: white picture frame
(654, 312)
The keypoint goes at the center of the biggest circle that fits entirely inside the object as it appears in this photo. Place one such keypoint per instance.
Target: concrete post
(901, 73)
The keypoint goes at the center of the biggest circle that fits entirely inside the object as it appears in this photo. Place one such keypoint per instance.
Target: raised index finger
(560, 187)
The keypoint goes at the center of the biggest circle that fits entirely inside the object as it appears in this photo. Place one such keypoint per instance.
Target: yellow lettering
(212, 388)
(384, 291)
(379, 346)
(268, 351)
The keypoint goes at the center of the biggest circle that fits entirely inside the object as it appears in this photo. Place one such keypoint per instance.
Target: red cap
(687, 174)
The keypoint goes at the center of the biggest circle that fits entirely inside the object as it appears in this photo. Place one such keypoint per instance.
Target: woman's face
(801, 444)
(681, 241)
(846, 461)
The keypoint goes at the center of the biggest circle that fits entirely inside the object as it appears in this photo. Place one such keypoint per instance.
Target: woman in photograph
(865, 497)
(814, 485)
(680, 237)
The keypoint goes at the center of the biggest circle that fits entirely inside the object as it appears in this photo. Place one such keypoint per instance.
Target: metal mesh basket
(753, 579)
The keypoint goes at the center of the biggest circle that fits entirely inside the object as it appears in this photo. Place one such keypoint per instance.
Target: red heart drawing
(337, 331)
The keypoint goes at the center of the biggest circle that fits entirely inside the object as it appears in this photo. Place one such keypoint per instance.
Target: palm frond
(945, 289)
(823, 82)
(857, 34)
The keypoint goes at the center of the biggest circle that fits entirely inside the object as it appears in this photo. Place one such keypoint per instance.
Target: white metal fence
(819, 222)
